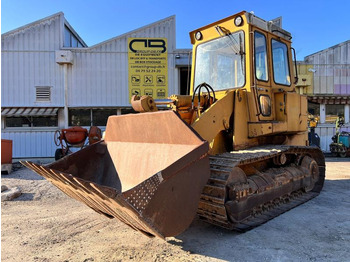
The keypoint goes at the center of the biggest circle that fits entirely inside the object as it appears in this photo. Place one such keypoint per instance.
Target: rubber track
(212, 203)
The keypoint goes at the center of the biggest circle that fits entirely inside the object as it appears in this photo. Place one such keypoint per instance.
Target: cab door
(280, 63)
(288, 104)
(262, 76)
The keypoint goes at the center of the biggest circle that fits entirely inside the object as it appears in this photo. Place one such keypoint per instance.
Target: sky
(315, 24)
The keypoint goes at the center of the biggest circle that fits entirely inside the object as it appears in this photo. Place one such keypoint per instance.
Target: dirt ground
(45, 225)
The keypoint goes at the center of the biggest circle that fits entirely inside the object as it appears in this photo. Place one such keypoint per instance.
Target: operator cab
(244, 52)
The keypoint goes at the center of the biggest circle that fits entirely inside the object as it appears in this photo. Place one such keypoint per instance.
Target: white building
(51, 80)
(330, 92)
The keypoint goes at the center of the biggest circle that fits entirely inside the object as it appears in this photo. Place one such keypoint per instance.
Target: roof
(19, 29)
(43, 20)
(329, 48)
(135, 31)
(61, 14)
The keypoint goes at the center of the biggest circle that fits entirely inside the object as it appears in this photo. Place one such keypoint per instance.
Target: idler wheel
(313, 171)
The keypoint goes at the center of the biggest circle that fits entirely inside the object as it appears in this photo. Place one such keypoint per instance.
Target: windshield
(220, 62)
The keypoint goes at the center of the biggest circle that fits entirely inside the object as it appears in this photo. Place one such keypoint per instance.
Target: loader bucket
(148, 172)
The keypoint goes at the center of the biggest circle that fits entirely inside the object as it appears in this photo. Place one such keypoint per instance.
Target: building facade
(325, 78)
(52, 80)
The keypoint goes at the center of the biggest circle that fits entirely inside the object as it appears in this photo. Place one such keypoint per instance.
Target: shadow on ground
(31, 176)
(21, 172)
(25, 197)
(291, 236)
(337, 159)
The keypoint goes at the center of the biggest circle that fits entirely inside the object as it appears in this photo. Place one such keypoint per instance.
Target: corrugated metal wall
(332, 75)
(99, 75)
(326, 133)
(97, 78)
(28, 60)
(31, 143)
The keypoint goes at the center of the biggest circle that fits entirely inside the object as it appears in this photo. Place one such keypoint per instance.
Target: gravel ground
(43, 224)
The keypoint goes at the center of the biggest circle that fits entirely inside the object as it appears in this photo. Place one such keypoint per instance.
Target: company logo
(139, 45)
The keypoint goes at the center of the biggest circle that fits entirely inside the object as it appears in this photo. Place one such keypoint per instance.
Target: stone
(10, 194)
(4, 188)
(6, 168)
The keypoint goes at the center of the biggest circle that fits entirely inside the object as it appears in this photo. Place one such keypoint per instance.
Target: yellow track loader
(235, 151)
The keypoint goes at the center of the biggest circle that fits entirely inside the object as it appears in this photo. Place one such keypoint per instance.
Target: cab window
(220, 62)
(260, 57)
(280, 63)
(265, 105)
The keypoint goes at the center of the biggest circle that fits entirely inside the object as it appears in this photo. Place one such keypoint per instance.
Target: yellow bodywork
(288, 117)
(264, 109)
(153, 172)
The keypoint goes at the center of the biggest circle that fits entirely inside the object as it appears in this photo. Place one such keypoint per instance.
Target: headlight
(238, 21)
(198, 35)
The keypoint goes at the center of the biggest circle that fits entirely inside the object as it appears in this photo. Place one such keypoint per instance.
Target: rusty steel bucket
(148, 172)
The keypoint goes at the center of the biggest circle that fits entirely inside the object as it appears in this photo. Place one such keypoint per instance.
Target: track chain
(212, 203)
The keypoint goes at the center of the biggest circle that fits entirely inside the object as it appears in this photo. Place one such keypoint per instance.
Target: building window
(100, 116)
(70, 39)
(125, 111)
(79, 117)
(314, 109)
(90, 117)
(32, 121)
(333, 111)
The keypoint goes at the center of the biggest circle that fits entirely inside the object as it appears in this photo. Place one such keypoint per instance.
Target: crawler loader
(235, 151)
